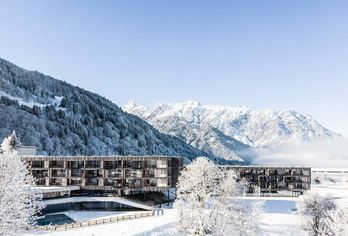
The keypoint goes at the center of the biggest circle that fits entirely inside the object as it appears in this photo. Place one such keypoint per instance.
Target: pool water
(56, 219)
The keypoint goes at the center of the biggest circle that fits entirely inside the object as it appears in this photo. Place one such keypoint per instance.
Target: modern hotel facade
(122, 175)
(106, 175)
(266, 180)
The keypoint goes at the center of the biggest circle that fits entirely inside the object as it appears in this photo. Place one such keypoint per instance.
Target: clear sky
(262, 54)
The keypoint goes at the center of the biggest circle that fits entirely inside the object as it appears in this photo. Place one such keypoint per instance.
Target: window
(76, 173)
(92, 164)
(113, 182)
(133, 173)
(75, 164)
(112, 164)
(58, 173)
(75, 182)
(91, 173)
(117, 173)
(56, 164)
(39, 173)
(91, 182)
(133, 183)
(37, 164)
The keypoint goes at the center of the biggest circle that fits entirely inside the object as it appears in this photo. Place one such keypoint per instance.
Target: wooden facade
(274, 179)
(106, 174)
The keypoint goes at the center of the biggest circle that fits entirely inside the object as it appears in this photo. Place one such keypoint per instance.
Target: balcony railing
(114, 173)
(92, 164)
(41, 181)
(77, 173)
(56, 164)
(37, 164)
(91, 182)
(59, 174)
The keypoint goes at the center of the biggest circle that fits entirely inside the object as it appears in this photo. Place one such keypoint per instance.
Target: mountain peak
(217, 127)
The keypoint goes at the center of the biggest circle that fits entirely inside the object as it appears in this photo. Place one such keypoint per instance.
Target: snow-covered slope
(62, 119)
(231, 132)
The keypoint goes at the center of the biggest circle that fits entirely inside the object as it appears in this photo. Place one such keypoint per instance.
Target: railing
(95, 222)
(58, 175)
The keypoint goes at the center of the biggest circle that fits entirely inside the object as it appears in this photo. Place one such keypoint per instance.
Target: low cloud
(329, 154)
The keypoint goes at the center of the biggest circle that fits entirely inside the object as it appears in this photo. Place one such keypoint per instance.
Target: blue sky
(261, 54)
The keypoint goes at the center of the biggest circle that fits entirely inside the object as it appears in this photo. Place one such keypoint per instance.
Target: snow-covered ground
(279, 217)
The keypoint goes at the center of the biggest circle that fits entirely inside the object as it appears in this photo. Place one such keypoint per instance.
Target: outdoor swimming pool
(54, 213)
(55, 219)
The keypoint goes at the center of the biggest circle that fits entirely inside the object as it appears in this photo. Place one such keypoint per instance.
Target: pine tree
(11, 143)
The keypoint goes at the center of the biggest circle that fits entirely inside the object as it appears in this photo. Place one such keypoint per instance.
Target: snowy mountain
(231, 132)
(61, 119)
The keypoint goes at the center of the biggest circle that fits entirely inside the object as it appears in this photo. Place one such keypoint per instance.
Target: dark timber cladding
(112, 174)
(274, 179)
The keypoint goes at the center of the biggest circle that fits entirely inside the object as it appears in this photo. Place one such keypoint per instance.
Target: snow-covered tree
(197, 183)
(11, 143)
(233, 216)
(19, 203)
(339, 221)
(207, 202)
(316, 210)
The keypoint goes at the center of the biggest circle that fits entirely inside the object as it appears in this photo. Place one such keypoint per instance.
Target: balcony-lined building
(106, 174)
(266, 180)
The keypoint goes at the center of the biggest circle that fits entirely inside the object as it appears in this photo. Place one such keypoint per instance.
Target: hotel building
(106, 175)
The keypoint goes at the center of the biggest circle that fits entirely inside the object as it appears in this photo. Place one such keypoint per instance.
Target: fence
(95, 222)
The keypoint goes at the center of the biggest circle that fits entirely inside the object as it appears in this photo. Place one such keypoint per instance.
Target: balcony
(161, 173)
(112, 165)
(41, 181)
(162, 164)
(37, 164)
(162, 185)
(134, 183)
(133, 173)
(91, 182)
(150, 164)
(75, 164)
(56, 164)
(115, 173)
(149, 173)
(92, 164)
(77, 182)
(58, 173)
(39, 173)
(77, 173)
(133, 164)
(150, 182)
(117, 183)
(55, 182)
(92, 173)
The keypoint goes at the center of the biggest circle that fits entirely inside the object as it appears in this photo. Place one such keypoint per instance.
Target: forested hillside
(61, 119)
